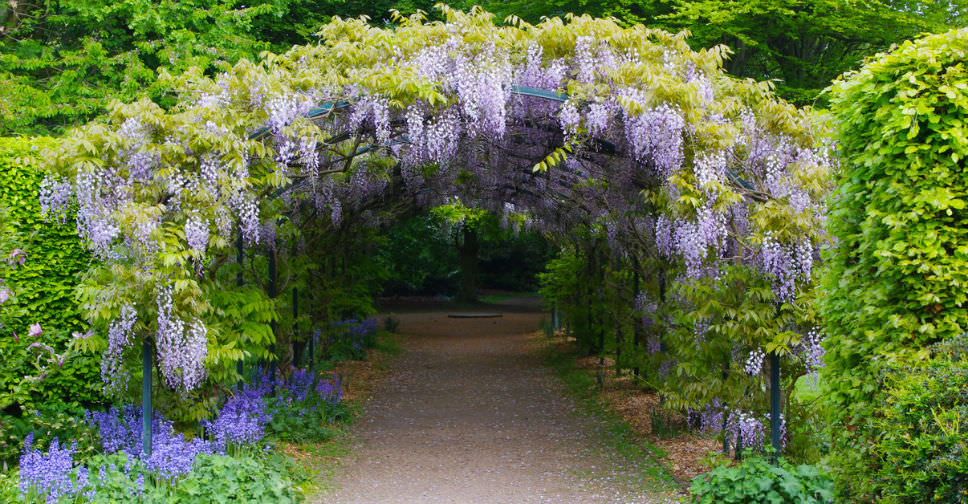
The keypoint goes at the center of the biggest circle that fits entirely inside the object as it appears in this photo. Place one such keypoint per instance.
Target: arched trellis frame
(625, 133)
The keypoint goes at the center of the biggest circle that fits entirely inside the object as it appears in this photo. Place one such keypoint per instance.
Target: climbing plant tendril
(618, 143)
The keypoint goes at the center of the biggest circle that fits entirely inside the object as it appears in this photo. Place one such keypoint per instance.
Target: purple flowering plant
(302, 407)
(50, 476)
(350, 338)
(711, 179)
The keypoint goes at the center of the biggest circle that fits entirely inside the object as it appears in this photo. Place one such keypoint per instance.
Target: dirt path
(468, 415)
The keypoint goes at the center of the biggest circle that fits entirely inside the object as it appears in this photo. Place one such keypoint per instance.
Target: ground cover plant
(759, 480)
(227, 460)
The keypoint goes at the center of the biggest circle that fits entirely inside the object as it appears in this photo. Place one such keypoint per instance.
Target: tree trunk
(468, 265)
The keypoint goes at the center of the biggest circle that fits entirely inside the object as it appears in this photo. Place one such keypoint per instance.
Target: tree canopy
(63, 61)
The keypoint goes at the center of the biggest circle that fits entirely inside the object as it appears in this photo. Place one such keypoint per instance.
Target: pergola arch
(626, 132)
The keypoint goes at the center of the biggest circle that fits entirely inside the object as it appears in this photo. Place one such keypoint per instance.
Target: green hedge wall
(897, 279)
(45, 283)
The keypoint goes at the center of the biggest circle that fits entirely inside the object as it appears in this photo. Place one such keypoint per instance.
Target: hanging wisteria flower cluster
(181, 347)
(585, 123)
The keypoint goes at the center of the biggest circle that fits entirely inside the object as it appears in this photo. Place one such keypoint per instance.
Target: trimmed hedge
(45, 283)
(897, 279)
(923, 447)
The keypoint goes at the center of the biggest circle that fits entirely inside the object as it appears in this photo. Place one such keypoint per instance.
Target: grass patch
(322, 459)
(501, 297)
(615, 431)
(389, 344)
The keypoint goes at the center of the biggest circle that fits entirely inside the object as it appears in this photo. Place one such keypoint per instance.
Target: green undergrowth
(616, 433)
(322, 459)
(500, 297)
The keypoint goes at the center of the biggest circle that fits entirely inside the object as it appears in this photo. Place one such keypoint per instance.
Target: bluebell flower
(50, 476)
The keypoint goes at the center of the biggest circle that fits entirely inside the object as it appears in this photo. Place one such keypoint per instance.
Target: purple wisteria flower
(120, 332)
(196, 234)
(812, 352)
(746, 427)
(754, 363)
(181, 347)
(55, 196)
(712, 417)
(786, 264)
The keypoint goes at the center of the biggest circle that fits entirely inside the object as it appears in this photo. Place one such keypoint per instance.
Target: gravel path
(468, 415)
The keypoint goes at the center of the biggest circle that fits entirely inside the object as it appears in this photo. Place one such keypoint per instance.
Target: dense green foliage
(63, 61)
(43, 289)
(9, 491)
(802, 44)
(896, 280)
(217, 478)
(422, 255)
(806, 44)
(758, 481)
(923, 445)
(213, 479)
(46, 423)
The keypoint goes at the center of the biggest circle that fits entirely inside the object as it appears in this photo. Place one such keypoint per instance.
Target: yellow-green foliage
(44, 285)
(898, 277)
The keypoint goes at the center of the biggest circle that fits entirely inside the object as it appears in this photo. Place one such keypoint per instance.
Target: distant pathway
(468, 415)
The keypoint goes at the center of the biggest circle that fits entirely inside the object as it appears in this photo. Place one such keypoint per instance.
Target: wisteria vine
(624, 131)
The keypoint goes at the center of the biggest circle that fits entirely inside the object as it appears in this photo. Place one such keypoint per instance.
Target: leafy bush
(214, 478)
(218, 478)
(756, 481)
(44, 284)
(923, 447)
(305, 407)
(178, 470)
(9, 490)
(349, 339)
(897, 278)
(46, 423)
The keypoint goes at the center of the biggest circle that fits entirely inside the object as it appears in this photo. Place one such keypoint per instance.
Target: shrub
(45, 282)
(896, 280)
(923, 446)
(349, 339)
(9, 490)
(305, 408)
(214, 478)
(756, 481)
(227, 479)
(46, 423)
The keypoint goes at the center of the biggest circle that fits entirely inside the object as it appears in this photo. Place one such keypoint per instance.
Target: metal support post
(146, 398)
(775, 403)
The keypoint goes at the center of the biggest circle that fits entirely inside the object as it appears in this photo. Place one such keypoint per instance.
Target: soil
(686, 453)
(468, 414)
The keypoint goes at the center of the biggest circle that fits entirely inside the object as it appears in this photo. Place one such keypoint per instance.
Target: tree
(63, 61)
(805, 44)
(801, 44)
